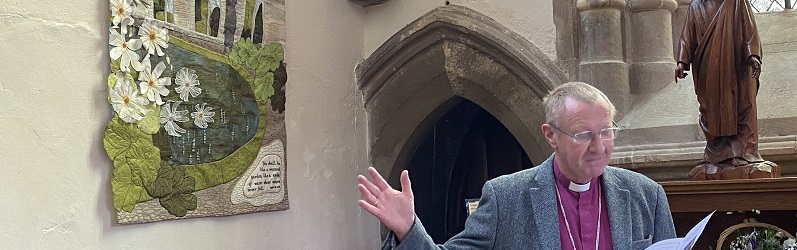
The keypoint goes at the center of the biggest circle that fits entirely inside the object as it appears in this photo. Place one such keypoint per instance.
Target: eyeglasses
(586, 136)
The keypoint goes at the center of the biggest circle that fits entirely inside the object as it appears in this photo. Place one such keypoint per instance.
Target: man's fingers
(370, 208)
(378, 180)
(406, 186)
(367, 195)
(370, 187)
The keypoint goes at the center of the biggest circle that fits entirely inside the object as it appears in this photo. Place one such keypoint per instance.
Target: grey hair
(555, 101)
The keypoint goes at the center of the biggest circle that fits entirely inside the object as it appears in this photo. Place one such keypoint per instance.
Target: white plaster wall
(55, 175)
(531, 19)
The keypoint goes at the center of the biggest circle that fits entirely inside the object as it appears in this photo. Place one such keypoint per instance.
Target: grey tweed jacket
(519, 211)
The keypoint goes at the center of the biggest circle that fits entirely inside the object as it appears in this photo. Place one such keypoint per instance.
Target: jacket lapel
(545, 208)
(618, 205)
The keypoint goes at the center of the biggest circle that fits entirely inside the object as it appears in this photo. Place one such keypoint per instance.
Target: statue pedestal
(757, 170)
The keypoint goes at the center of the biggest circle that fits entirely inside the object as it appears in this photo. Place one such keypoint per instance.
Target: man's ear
(548, 132)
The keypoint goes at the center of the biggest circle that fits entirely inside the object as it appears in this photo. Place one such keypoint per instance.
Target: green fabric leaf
(174, 190)
(271, 56)
(120, 137)
(263, 86)
(144, 161)
(251, 61)
(164, 184)
(151, 122)
(115, 65)
(111, 82)
(234, 58)
(126, 194)
(136, 162)
(262, 69)
(179, 204)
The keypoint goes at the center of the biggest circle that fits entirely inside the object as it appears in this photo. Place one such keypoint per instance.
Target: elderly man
(573, 200)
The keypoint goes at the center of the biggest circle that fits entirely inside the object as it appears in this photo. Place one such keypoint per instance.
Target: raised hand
(396, 209)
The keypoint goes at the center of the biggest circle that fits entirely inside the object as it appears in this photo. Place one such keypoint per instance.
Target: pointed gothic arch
(452, 52)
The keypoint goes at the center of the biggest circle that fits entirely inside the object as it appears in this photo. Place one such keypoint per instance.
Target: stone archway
(452, 51)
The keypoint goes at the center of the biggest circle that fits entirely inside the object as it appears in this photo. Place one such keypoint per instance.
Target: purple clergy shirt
(581, 209)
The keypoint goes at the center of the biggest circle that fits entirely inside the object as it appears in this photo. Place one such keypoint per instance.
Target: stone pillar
(184, 14)
(651, 45)
(601, 50)
(678, 19)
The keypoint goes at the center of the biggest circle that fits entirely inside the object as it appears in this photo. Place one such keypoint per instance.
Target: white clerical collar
(578, 187)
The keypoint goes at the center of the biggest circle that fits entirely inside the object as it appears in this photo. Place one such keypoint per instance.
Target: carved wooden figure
(720, 45)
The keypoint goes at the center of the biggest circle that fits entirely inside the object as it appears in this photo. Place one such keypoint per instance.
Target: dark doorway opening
(257, 33)
(464, 149)
(215, 18)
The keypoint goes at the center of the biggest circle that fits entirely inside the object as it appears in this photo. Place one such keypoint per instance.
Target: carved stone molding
(648, 5)
(366, 3)
(449, 54)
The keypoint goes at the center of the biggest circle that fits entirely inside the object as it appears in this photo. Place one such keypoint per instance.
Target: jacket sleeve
(664, 227)
(479, 233)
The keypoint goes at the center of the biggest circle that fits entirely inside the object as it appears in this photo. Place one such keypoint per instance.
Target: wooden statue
(720, 43)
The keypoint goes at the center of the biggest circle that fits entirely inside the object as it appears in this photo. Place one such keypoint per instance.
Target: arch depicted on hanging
(451, 52)
(214, 19)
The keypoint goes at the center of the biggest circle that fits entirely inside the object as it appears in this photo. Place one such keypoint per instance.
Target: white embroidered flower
(170, 115)
(202, 116)
(153, 37)
(124, 49)
(126, 101)
(187, 84)
(152, 85)
(120, 10)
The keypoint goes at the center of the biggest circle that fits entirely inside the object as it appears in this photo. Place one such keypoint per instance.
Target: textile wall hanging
(197, 90)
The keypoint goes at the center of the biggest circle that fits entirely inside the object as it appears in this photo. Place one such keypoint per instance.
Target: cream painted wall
(55, 177)
(531, 19)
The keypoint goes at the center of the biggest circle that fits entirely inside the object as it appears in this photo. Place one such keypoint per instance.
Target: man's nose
(596, 145)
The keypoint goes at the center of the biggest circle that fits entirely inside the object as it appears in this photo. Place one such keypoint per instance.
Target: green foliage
(270, 56)
(115, 65)
(136, 162)
(151, 122)
(174, 189)
(264, 86)
(126, 194)
(264, 60)
(160, 15)
(111, 82)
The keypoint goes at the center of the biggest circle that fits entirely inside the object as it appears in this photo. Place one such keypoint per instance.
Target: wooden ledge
(732, 195)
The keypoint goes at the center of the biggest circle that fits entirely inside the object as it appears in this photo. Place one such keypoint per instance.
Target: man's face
(580, 162)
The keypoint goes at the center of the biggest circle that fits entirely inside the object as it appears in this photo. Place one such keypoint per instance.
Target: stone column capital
(648, 5)
(582, 5)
